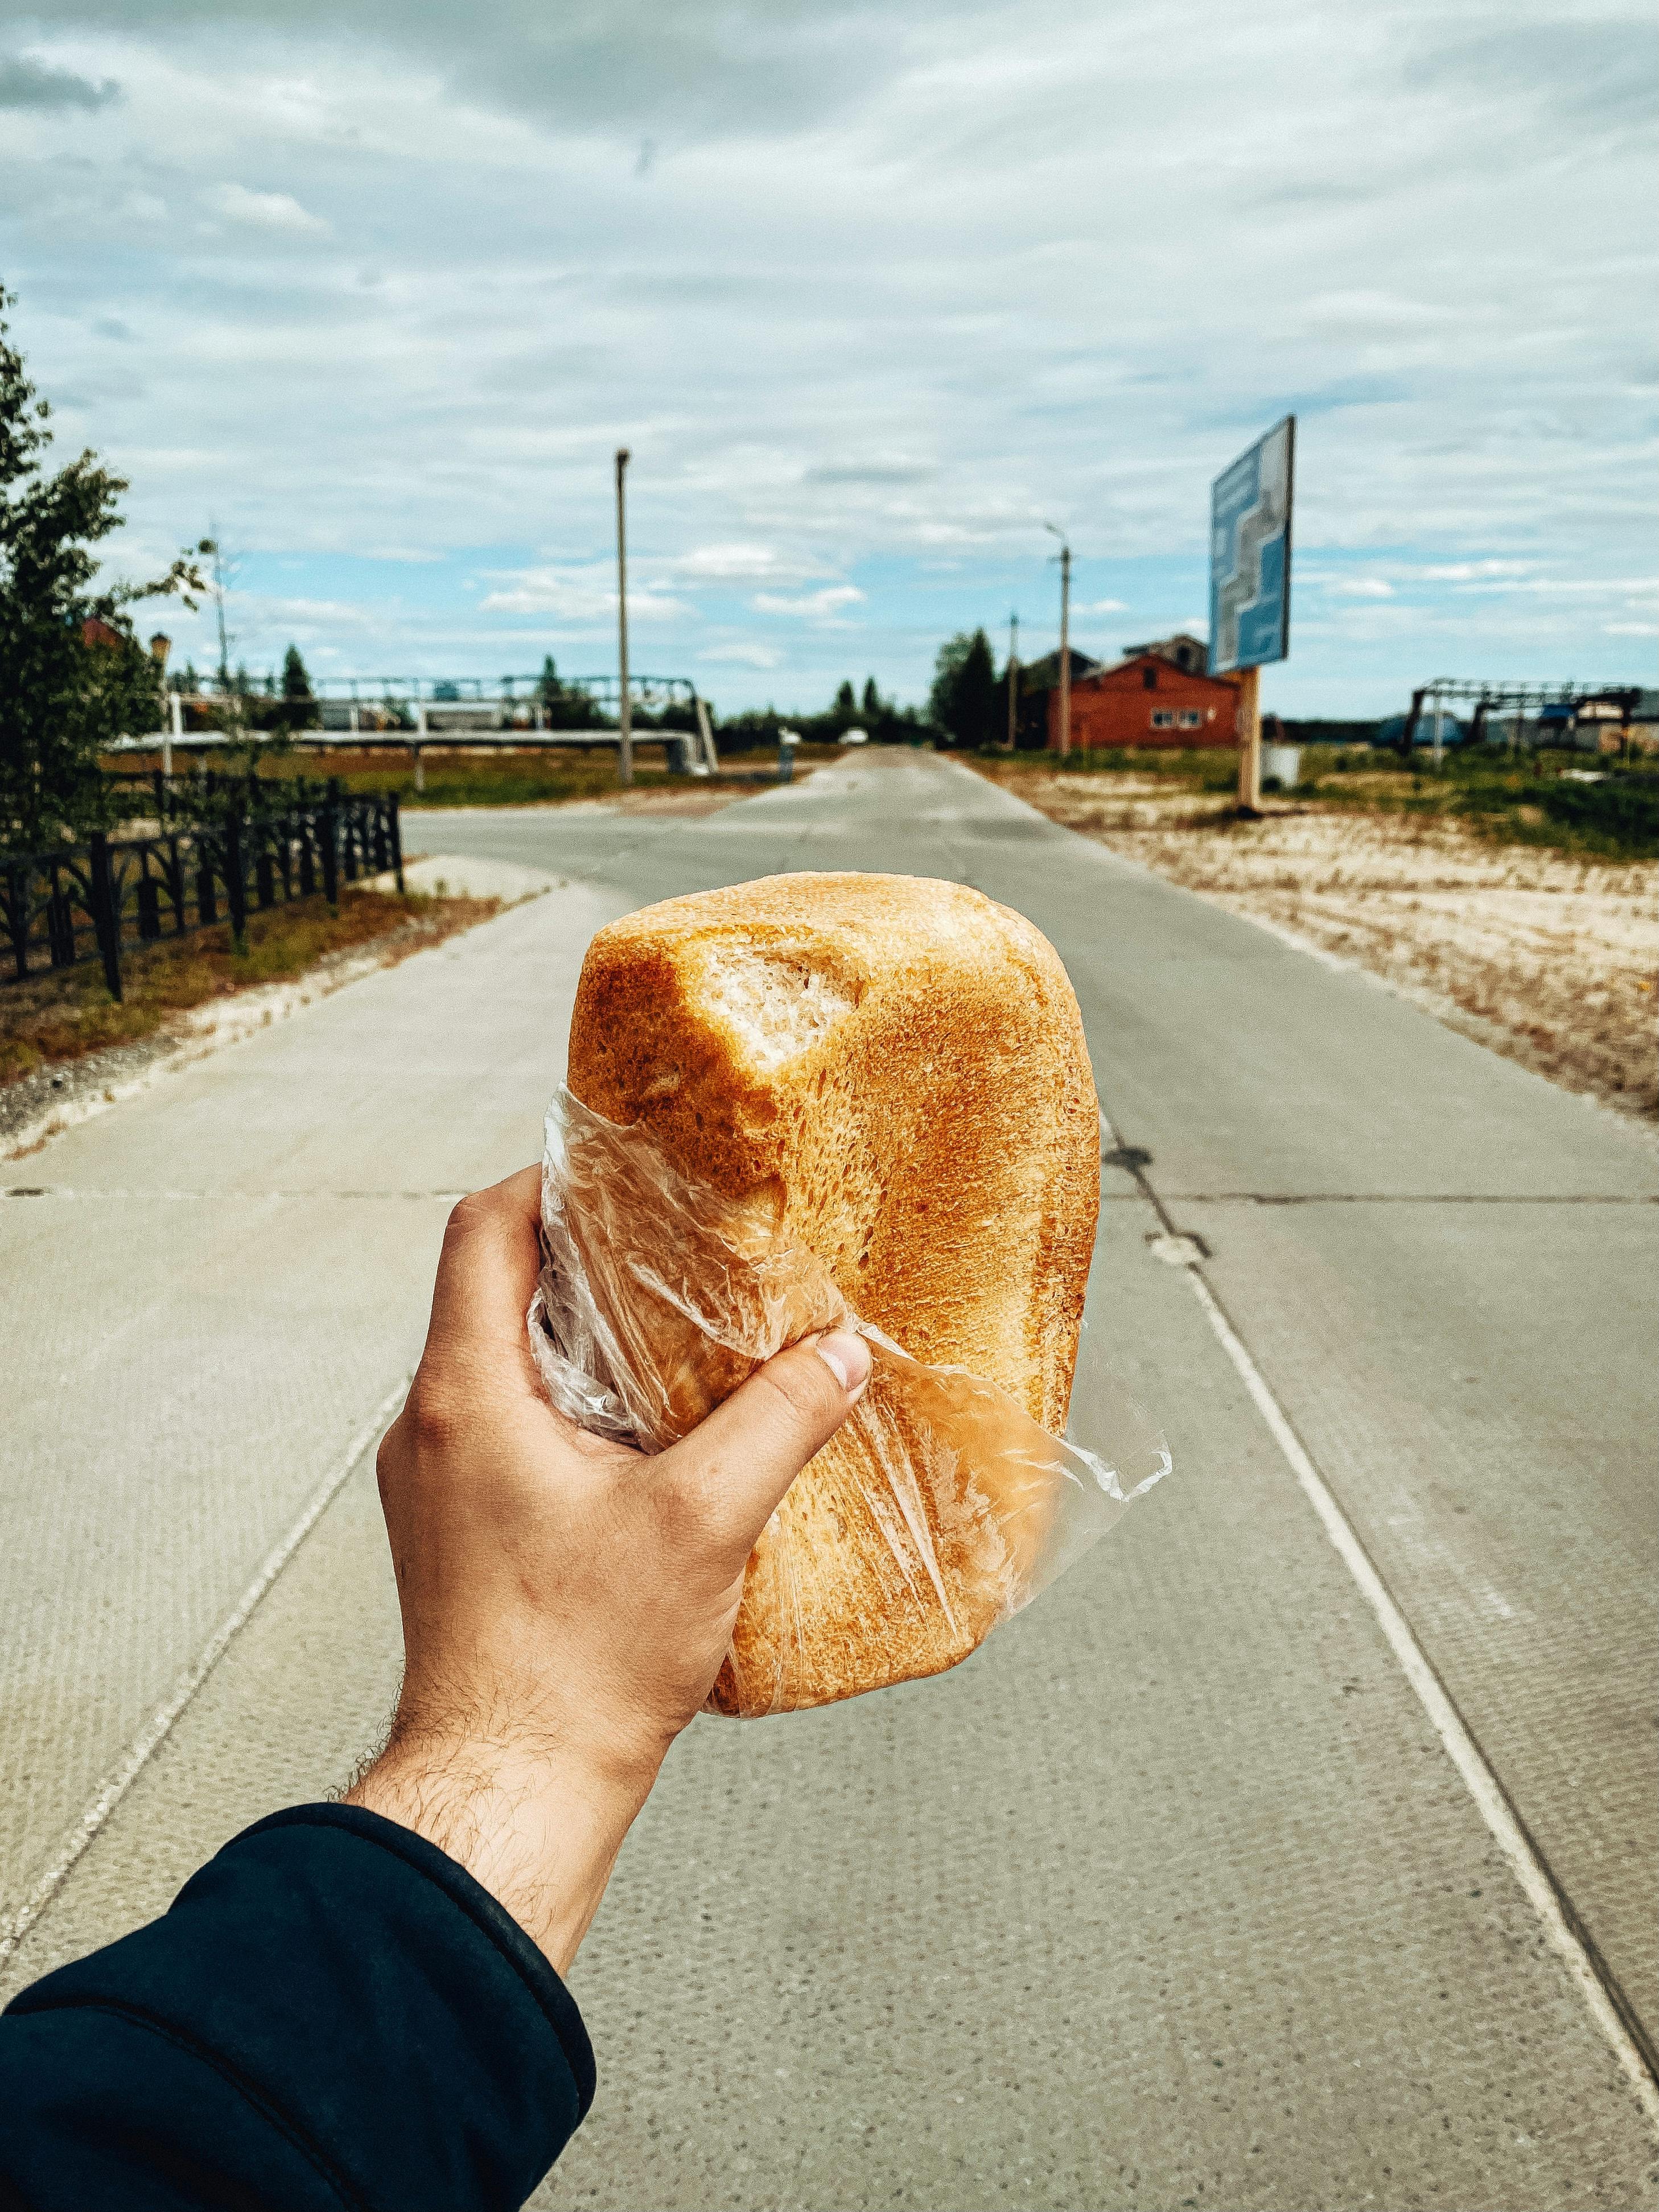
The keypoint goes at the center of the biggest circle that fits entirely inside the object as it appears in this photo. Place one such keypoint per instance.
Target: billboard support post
(1250, 741)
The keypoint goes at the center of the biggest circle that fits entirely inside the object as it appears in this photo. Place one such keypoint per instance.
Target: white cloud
(815, 606)
(743, 564)
(1630, 629)
(743, 656)
(273, 211)
(585, 595)
(898, 283)
(1104, 607)
(1467, 572)
(1359, 587)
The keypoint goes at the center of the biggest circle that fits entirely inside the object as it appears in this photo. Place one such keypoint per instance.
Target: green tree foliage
(874, 705)
(964, 701)
(847, 705)
(290, 704)
(73, 675)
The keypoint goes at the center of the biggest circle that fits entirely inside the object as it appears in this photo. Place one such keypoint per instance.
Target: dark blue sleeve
(333, 2013)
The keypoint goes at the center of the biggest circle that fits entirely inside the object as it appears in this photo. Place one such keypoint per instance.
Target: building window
(1190, 718)
(1149, 679)
(1164, 718)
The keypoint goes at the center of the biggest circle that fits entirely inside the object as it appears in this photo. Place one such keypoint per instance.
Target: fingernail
(847, 1356)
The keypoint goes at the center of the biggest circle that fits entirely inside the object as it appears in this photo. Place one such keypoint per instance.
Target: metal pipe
(625, 707)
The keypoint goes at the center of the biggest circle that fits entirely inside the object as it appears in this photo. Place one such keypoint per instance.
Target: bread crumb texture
(890, 1071)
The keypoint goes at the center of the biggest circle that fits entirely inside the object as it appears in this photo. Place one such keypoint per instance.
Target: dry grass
(548, 777)
(64, 1015)
(1548, 956)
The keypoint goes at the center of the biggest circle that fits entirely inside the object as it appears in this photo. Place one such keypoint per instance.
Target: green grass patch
(546, 778)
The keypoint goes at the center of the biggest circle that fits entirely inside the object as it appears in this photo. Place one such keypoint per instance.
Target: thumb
(739, 1462)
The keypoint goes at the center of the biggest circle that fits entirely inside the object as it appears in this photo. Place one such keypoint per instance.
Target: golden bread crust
(892, 1071)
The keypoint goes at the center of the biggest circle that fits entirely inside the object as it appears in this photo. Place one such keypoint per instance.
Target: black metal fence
(224, 848)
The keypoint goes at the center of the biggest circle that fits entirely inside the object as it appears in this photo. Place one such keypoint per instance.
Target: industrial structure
(1559, 714)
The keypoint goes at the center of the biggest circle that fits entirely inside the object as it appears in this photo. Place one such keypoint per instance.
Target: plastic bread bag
(938, 1510)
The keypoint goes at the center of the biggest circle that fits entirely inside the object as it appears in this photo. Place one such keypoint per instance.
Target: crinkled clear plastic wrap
(938, 1509)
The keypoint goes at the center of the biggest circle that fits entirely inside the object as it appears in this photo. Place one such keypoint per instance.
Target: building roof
(1147, 653)
(1043, 675)
(1185, 650)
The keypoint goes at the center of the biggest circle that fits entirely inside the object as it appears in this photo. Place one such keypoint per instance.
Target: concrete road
(1199, 1884)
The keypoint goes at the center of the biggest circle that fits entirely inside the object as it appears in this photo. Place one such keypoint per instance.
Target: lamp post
(1064, 743)
(1013, 682)
(625, 710)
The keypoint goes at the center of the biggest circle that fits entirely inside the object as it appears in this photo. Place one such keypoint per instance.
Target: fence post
(396, 835)
(235, 883)
(18, 917)
(331, 845)
(105, 919)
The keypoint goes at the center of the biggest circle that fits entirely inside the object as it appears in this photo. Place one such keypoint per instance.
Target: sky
(872, 294)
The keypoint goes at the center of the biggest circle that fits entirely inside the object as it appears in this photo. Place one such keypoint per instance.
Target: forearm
(539, 1832)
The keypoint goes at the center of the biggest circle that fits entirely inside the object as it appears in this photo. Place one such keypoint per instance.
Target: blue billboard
(1250, 554)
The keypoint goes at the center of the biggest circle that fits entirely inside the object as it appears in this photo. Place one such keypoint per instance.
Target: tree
(293, 704)
(874, 706)
(964, 699)
(73, 675)
(846, 704)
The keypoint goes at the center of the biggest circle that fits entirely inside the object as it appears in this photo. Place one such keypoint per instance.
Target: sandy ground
(1546, 957)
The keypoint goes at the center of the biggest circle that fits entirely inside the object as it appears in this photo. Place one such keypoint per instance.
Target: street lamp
(1013, 682)
(1064, 745)
(625, 711)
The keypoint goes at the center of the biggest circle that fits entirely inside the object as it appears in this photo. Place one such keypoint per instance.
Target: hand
(567, 1601)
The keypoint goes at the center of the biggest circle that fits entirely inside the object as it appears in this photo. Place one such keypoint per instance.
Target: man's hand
(566, 1602)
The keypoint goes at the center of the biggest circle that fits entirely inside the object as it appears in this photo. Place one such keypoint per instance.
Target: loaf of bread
(889, 1073)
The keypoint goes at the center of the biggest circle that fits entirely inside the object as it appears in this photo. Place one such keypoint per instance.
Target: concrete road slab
(1172, 1895)
(1168, 1897)
(1416, 1348)
(216, 1283)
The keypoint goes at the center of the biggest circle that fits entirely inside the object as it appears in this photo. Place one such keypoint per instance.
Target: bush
(1623, 810)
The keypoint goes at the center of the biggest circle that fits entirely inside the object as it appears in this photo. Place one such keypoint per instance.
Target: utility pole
(219, 608)
(1013, 682)
(1063, 744)
(625, 711)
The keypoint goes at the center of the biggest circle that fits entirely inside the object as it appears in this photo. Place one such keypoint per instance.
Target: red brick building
(1147, 700)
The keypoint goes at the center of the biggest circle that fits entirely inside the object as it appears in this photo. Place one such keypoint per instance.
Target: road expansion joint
(1560, 1923)
(254, 1197)
(1408, 1197)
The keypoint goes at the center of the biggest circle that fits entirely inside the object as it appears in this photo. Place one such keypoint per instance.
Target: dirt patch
(1545, 957)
